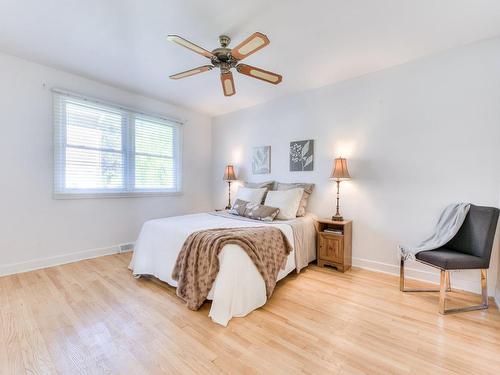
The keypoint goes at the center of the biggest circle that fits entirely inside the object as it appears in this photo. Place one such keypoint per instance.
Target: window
(107, 150)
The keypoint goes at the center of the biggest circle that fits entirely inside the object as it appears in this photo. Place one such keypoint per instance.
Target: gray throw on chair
(447, 227)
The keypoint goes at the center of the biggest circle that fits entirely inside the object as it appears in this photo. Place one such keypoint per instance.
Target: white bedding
(238, 289)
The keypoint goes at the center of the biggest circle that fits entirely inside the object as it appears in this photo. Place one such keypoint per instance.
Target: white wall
(417, 137)
(36, 230)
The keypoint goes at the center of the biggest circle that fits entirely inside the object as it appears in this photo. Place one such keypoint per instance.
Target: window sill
(115, 195)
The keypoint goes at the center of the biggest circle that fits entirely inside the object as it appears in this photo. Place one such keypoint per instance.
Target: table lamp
(229, 176)
(339, 173)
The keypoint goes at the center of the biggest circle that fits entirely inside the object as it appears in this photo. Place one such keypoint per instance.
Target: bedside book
(334, 231)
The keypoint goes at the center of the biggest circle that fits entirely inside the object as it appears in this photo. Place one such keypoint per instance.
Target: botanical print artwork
(261, 160)
(302, 155)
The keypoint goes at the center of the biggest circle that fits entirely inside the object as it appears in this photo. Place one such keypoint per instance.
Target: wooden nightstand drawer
(331, 248)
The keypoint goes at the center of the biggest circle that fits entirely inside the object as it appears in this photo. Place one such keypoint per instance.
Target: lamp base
(337, 218)
(227, 207)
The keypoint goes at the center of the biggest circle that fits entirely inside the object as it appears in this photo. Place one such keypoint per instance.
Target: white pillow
(287, 201)
(250, 194)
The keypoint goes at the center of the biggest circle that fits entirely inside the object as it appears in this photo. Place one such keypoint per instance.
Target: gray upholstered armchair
(469, 249)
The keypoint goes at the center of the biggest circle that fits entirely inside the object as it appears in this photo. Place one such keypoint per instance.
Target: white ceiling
(313, 42)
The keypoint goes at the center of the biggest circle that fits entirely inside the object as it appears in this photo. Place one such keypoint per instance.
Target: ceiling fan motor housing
(222, 56)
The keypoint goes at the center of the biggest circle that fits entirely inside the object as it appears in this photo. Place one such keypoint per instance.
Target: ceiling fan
(227, 58)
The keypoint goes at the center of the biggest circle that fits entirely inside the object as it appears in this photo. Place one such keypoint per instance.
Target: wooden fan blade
(250, 45)
(191, 72)
(227, 83)
(187, 44)
(258, 73)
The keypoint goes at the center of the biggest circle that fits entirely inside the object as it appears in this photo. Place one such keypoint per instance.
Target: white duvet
(238, 289)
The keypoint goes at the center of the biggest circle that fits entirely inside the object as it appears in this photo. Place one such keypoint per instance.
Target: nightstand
(334, 244)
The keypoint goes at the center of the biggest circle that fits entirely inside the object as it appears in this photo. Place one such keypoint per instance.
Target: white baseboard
(411, 273)
(31, 265)
(431, 276)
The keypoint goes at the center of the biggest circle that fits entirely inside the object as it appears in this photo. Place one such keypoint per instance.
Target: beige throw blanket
(304, 235)
(197, 265)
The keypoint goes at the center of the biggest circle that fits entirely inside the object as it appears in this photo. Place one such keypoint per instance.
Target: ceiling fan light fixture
(226, 59)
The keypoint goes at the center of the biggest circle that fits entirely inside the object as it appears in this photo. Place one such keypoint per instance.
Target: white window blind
(104, 150)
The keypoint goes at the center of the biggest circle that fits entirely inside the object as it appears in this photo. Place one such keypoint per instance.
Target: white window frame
(128, 151)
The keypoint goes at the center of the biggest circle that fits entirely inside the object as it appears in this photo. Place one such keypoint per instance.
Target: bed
(238, 288)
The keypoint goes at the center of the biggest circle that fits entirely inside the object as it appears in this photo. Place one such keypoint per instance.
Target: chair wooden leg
(448, 281)
(442, 291)
(484, 287)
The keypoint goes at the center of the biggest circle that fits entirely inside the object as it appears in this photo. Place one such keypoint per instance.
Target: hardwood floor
(93, 317)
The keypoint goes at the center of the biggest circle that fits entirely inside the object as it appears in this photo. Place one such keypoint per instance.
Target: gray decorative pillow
(239, 207)
(254, 210)
(259, 185)
(308, 189)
